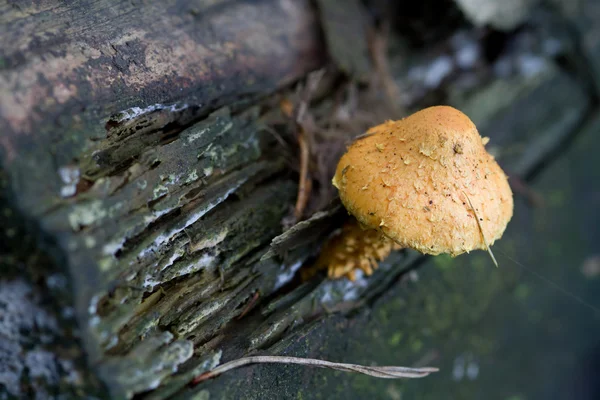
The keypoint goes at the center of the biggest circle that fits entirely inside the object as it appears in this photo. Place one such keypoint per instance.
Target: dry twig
(250, 304)
(378, 42)
(385, 372)
(303, 124)
(304, 184)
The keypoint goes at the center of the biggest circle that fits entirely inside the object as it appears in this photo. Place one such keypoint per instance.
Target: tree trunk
(144, 185)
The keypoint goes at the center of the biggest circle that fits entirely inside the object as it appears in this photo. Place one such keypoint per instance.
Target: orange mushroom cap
(415, 179)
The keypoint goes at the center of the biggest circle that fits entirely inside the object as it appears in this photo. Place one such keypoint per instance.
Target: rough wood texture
(144, 189)
(73, 66)
(94, 97)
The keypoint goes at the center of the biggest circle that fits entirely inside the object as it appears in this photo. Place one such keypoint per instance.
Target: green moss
(443, 261)
(396, 339)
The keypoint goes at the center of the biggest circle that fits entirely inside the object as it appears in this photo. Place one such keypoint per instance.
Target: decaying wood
(142, 166)
(94, 102)
(79, 64)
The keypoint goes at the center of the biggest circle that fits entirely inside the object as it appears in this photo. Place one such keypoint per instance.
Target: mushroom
(425, 182)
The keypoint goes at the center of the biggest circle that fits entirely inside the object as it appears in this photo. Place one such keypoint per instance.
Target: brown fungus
(424, 204)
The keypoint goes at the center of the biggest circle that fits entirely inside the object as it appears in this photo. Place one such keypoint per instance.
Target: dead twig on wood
(385, 372)
(250, 304)
(304, 127)
(304, 184)
(378, 42)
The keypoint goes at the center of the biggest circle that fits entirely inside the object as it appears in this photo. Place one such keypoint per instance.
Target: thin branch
(378, 46)
(304, 184)
(303, 122)
(250, 304)
(386, 372)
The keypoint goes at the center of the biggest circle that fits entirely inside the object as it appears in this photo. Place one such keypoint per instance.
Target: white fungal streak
(345, 289)
(352, 289)
(174, 257)
(93, 307)
(150, 282)
(70, 176)
(153, 280)
(135, 112)
(193, 176)
(154, 384)
(197, 135)
(157, 214)
(287, 274)
(111, 248)
(202, 262)
(114, 340)
(161, 239)
(208, 171)
(144, 253)
(327, 296)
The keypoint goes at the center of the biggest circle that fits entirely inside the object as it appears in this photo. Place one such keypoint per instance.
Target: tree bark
(144, 189)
